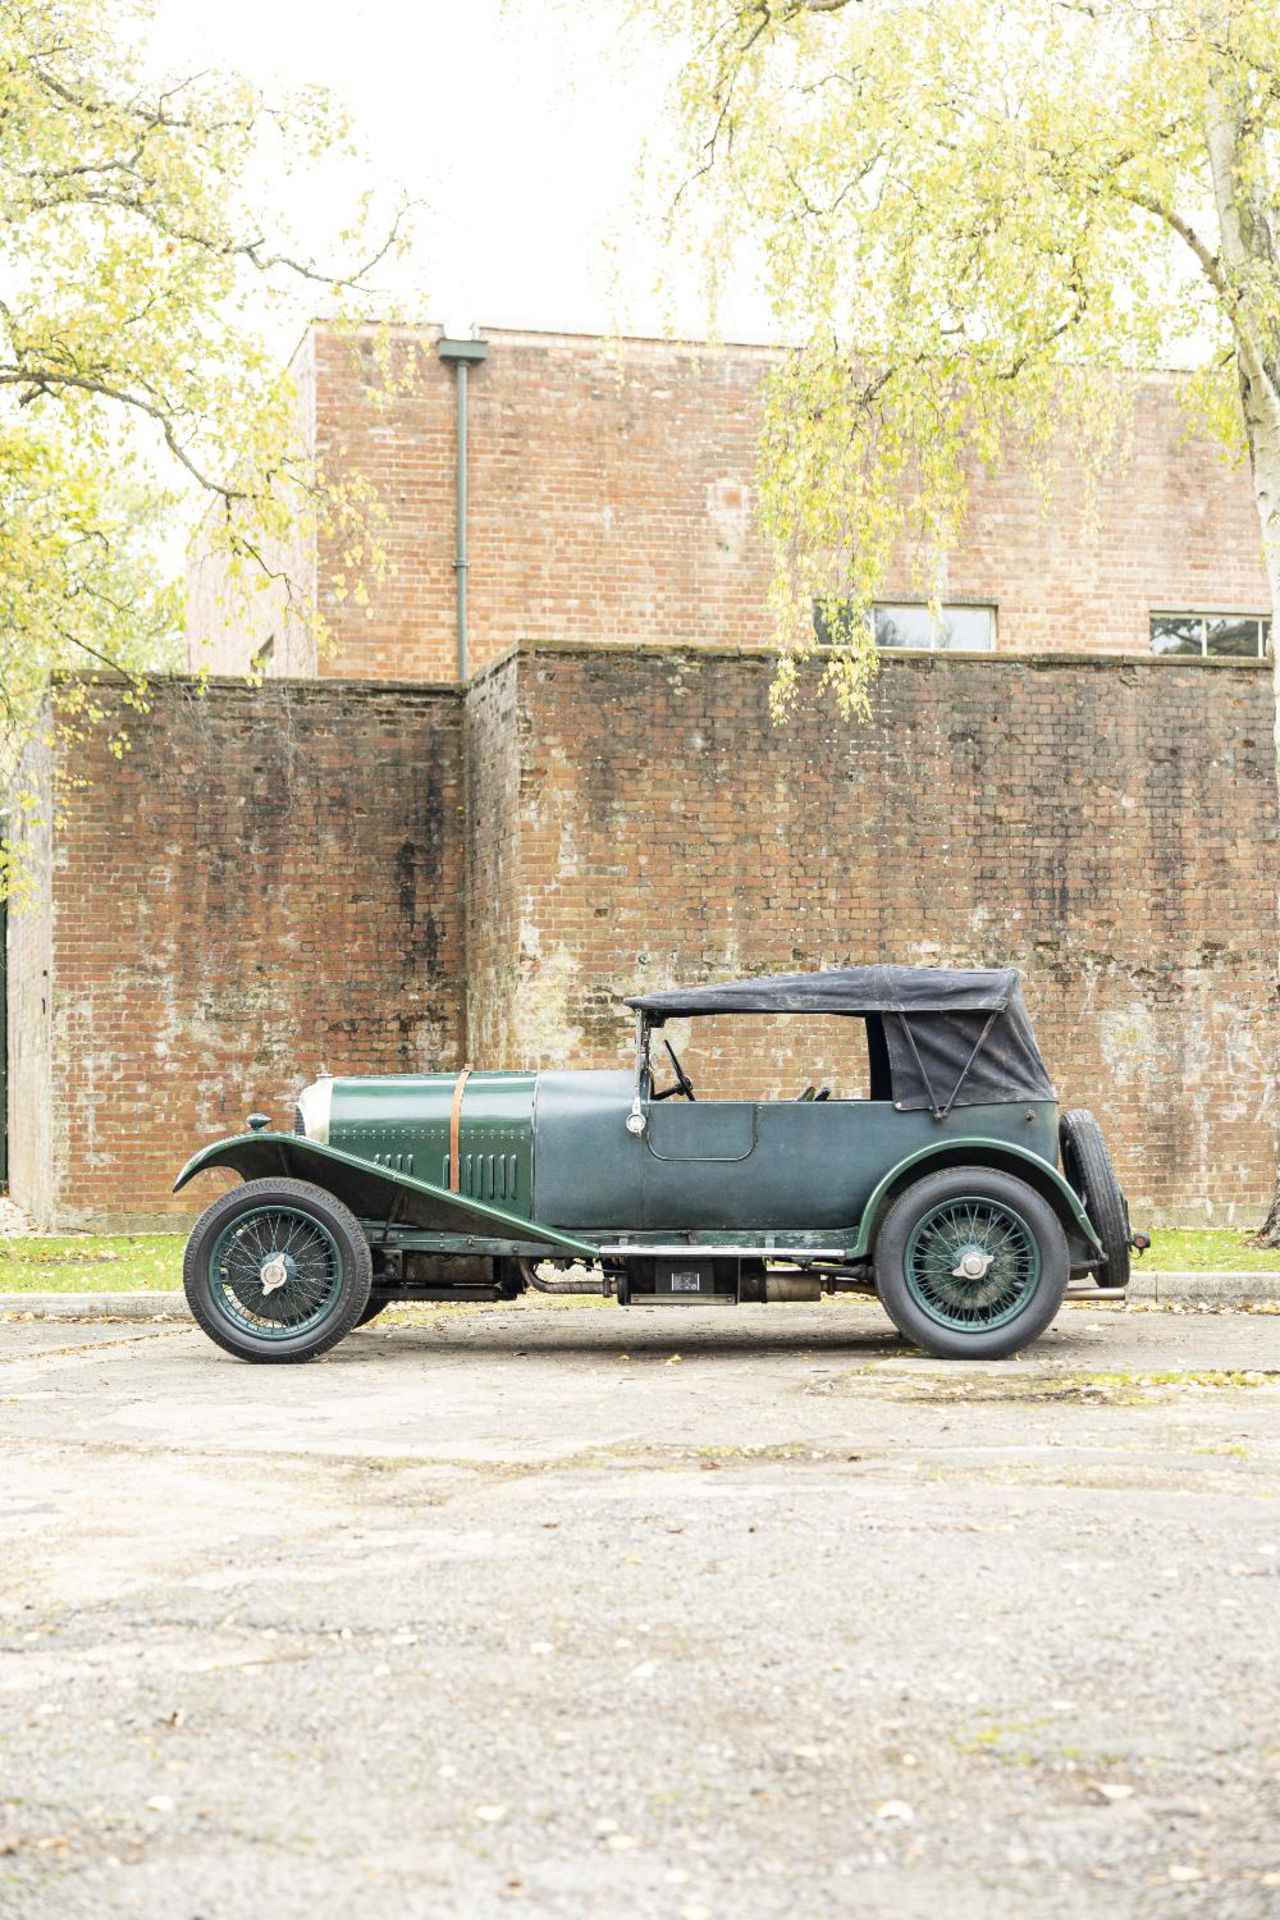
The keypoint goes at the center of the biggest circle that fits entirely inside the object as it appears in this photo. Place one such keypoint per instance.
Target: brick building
(364, 864)
(611, 489)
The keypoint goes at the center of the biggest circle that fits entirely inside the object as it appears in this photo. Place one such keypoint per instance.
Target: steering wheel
(683, 1083)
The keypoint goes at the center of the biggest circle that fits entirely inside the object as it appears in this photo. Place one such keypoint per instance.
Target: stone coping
(641, 646)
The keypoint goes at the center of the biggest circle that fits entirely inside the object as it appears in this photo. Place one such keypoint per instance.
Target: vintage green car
(954, 1190)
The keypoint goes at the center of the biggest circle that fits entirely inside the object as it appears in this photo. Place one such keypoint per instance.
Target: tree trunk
(1262, 414)
(1246, 204)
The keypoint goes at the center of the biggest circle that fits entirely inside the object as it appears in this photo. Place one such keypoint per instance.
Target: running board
(707, 1250)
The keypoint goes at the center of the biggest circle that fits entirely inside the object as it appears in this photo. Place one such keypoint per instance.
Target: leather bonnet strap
(455, 1131)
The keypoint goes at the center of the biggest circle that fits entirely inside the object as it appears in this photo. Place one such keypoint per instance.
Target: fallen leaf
(1181, 1875)
(490, 1815)
(1105, 1792)
(896, 1812)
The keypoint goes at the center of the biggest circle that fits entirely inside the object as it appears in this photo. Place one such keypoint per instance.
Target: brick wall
(1109, 827)
(613, 501)
(267, 883)
(495, 937)
(324, 872)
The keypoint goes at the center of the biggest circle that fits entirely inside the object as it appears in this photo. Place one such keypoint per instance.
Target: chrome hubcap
(974, 1264)
(275, 1273)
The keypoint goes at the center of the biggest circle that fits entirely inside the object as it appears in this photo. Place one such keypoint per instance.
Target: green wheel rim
(276, 1273)
(972, 1264)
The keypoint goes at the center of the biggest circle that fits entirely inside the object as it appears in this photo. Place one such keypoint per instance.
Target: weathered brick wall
(267, 883)
(322, 873)
(613, 501)
(1108, 827)
(494, 934)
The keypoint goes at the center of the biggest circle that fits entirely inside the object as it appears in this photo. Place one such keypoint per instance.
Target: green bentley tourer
(955, 1191)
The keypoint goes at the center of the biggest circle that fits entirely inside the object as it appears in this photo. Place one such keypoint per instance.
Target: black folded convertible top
(940, 1037)
(844, 990)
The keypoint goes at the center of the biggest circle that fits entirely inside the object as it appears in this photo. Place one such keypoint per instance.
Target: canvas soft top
(843, 990)
(940, 1037)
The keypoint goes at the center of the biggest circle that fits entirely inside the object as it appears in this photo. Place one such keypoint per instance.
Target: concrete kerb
(1224, 1289)
(1212, 1289)
(159, 1304)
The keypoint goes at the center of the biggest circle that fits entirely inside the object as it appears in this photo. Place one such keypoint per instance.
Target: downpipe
(460, 355)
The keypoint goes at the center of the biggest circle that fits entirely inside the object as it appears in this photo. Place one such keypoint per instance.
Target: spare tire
(1087, 1165)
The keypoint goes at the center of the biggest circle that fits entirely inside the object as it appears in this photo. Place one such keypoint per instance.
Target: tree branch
(46, 380)
(1209, 260)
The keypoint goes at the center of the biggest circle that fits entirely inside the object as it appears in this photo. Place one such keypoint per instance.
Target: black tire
(992, 1314)
(1087, 1165)
(324, 1283)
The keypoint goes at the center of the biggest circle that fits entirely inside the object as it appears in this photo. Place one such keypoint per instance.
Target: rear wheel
(277, 1270)
(1087, 1165)
(971, 1263)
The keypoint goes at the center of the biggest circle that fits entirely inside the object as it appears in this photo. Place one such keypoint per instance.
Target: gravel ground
(673, 1613)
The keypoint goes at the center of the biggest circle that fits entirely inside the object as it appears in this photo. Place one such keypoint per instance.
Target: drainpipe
(461, 354)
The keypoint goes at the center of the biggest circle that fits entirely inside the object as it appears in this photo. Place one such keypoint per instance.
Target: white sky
(520, 125)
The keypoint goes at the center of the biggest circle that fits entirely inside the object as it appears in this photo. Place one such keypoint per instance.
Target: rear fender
(373, 1192)
(977, 1152)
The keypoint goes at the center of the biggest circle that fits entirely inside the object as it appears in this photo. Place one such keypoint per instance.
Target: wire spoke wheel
(972, 1263)
(276, 1272)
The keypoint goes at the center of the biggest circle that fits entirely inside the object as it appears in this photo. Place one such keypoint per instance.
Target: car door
(787, 1165)
(697, 1162)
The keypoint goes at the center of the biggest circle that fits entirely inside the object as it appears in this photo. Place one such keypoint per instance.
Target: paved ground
(517, 1611)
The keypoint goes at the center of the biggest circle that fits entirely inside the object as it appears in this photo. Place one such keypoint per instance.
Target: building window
(956, 628)
(1231, 636)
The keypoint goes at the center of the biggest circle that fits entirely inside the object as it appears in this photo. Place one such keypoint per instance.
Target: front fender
(980, 1152)
(373, 1192)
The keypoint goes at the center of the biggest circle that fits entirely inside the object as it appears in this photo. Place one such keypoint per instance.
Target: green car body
(470, 1183)
(547, 1165)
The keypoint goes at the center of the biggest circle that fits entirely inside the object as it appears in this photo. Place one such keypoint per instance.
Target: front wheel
(277, 1270)
(971, 1263)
